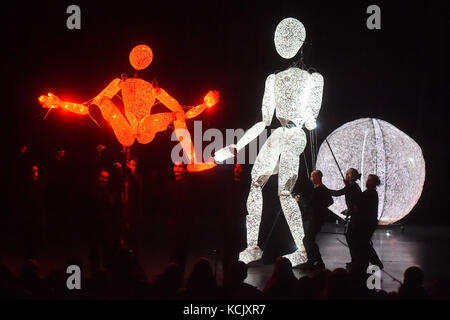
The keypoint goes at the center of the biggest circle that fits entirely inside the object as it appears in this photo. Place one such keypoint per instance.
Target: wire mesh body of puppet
(138, 97)
(296, 96)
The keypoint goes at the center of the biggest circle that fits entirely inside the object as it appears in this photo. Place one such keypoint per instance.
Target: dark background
(398, 74)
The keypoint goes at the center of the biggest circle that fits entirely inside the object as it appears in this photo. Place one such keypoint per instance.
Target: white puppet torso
(292, 91)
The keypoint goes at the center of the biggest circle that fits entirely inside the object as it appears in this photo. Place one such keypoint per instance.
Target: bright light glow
(138, 98)
(375, 146)
(296, 96)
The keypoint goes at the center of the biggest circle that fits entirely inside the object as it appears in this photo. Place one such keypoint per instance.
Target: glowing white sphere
(374, 146)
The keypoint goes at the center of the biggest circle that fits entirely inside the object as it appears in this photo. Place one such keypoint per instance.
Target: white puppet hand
(225, 153)
(310, 121)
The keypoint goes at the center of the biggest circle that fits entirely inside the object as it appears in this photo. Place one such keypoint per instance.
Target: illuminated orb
(289, 37)
(141, 56)
(374, 146)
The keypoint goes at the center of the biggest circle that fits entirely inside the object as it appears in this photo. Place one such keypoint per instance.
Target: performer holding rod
(362, 207)
(318, 202)
(364, 224)
(352, 194)
(180, 222)
(131, 189)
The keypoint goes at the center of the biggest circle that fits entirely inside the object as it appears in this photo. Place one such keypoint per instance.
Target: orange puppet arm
(110, 91)
(210, 99)
(167, 100)
(51, 101)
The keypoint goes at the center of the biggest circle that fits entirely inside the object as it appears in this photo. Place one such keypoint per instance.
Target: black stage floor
(426, 247)
(423, 246)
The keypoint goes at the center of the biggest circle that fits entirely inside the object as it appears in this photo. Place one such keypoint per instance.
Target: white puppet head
(289, 37)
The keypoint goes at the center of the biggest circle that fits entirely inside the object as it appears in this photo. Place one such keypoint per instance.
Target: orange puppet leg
(184, 137)
(152, 124)
(186, 143)
(122, 129)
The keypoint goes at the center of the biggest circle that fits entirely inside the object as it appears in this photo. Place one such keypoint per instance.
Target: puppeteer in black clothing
(103, 222)
(180, 220)
(317, 202)
(352, 194)
(362, 207)
(32, 213)
(132, 209)
(364, 223)
(368, 219)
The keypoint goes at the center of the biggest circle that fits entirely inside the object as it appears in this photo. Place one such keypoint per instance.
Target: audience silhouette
(127, 280)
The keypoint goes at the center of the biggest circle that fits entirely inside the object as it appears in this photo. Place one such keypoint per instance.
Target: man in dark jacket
(352, 193)
(180, 219)
(318, 202)
(131, 215)
(33, 213)
(132, 209)
(102, 235)
(364, 223)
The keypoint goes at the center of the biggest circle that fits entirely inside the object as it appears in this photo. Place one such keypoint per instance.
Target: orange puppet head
(141, 56)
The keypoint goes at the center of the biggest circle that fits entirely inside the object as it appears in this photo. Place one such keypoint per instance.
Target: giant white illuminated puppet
(296, 96)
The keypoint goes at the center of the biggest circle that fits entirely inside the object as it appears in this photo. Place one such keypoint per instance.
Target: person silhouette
(352, 193)
(364, 224)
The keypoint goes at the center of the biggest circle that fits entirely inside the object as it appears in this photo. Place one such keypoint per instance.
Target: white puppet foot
(296, 257)
(250, 254)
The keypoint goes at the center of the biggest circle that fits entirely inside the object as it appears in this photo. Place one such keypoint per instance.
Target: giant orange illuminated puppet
(138, 98)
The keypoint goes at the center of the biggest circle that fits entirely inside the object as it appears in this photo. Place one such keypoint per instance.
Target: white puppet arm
(268, 108)
(314, 100)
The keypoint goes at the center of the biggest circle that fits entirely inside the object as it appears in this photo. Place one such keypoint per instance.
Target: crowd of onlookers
(125, 279)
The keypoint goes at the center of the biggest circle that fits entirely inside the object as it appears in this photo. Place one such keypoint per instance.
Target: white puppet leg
(263, 168)
(294, 143)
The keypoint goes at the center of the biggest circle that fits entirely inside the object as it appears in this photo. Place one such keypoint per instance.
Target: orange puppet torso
(138, 98)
